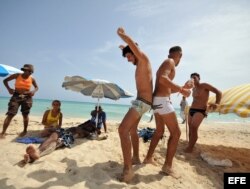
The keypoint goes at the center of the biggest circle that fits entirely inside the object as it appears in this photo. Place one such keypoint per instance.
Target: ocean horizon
(116, 112)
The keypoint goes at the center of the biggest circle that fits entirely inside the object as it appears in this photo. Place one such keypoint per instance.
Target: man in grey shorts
(128, 128)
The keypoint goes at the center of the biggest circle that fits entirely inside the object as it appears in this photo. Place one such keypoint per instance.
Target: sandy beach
(96, 164)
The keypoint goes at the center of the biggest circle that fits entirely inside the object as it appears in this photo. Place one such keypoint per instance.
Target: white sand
(96, 164)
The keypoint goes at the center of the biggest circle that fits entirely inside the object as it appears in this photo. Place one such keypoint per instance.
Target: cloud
(108, 47)
(144, 8)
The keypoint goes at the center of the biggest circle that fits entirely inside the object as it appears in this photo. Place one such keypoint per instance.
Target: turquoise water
(72, 109)
(116, 112)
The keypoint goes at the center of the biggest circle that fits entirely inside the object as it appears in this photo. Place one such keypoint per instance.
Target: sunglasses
(28, 71)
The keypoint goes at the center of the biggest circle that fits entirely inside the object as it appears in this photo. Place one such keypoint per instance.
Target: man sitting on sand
(59, 138)
(98, 112)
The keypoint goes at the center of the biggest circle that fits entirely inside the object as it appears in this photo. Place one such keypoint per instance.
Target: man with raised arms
(128, 128)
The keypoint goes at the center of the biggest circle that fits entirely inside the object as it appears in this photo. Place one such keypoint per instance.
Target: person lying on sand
(61, 138)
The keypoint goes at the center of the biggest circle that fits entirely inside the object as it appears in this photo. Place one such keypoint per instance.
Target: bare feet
(169, 171)
(2, 136)
(32, 154)
(126, 176)
(22, 133)
(136, 161)
(149, 161)
(102, 137)
(188, 150)
(26, 158)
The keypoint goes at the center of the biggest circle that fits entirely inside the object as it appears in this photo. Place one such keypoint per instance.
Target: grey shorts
(141, 106)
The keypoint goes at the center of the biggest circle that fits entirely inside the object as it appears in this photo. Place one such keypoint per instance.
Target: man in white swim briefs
(164, 111)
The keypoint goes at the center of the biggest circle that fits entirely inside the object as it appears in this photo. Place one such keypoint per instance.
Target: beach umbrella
(95, 88)
(8, 70)
(234, 100)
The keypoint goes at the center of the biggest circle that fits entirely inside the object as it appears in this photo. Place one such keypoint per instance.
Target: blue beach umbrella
(8, 70)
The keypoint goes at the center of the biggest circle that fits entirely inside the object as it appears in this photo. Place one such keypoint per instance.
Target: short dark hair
(126, 50)
(100, 108)
(175, 49)
(195, 74)
(56, 101)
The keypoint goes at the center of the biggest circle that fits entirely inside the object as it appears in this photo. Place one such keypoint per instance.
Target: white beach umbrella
(95, 88)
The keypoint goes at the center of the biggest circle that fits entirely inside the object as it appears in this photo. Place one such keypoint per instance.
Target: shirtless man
(198, 109)
(164, 111)
(128, 128)
(21, 96)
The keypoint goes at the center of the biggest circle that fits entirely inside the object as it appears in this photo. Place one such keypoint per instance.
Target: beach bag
(146, 133)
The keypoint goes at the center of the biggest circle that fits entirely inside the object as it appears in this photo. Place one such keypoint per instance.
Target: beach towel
(30, 140)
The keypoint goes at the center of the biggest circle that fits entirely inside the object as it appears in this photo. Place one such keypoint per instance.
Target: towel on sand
(29, 140)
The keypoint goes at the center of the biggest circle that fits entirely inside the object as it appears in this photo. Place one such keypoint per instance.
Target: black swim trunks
(192, 111)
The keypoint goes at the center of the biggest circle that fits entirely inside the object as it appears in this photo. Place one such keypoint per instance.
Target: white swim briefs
(162, 105)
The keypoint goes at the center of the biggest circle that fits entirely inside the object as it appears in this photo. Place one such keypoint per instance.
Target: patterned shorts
(25, 101)
(141, 106)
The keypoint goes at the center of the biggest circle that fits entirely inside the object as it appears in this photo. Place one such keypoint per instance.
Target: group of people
(59, 137)
(158, 98)
(22, 96)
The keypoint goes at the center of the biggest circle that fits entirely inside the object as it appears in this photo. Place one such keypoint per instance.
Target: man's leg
(175, 133)
(26, 104)
(13, 106)
(6, 125)
(193, 124)
(130, 119)
(135, 143)
(25, 125)
(155, 139)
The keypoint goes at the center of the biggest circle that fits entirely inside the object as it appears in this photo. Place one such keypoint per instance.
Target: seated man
(59, 138)
(98, 112)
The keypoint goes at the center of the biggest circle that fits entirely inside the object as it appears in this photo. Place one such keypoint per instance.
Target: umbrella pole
(186, 117)
(96, 122)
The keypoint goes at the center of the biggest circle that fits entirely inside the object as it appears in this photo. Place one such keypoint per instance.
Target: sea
(115, 112)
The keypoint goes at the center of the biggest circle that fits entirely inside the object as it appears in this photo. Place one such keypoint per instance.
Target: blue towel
(29, 140)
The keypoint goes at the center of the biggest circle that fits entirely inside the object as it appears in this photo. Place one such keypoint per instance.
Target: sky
(78, 37)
